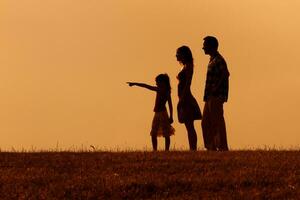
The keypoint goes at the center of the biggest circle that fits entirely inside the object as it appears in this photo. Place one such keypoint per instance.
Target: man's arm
(224, 75)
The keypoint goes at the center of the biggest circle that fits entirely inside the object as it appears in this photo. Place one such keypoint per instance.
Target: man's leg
(207, 129)
(223, 135)
(219, 124)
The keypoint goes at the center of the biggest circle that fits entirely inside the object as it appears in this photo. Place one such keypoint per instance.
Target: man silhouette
(215, 94)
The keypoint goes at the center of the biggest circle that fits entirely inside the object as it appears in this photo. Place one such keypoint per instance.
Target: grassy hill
(148, 175)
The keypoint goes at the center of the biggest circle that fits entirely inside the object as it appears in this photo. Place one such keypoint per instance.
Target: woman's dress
(187, 108)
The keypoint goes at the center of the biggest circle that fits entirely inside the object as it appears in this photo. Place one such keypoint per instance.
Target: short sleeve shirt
(217, 70)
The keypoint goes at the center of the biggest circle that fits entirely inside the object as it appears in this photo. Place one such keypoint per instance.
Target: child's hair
(164, 78)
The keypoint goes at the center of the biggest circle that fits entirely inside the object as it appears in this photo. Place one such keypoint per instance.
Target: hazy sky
(64, 64)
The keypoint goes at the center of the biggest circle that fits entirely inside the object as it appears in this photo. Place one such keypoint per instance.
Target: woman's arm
(170, 109)
(143, 85)
(188, 82)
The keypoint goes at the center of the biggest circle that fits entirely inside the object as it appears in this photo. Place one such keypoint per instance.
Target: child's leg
(167, 143)
(154, 143)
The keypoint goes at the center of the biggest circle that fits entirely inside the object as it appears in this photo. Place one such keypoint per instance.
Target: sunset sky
(64, 65)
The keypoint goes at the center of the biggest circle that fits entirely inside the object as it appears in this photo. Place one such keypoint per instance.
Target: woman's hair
(185, 53)
(164, 78)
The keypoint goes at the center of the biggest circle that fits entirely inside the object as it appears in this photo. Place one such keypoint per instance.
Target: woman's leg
(154, 142)
(167, 143)
(192, 135)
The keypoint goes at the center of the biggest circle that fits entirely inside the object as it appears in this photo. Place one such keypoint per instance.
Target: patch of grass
(150, 175)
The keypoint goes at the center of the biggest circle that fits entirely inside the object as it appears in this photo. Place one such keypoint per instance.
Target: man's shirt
(217, 70)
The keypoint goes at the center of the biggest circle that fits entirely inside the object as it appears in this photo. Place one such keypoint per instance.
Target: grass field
(148, 175)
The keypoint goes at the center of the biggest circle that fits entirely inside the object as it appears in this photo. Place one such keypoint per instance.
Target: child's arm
(170, 109)
(143, 85)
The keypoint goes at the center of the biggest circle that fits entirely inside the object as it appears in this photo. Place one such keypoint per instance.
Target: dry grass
(147, 175)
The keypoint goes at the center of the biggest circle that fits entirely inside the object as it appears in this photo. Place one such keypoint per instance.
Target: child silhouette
(161, 124)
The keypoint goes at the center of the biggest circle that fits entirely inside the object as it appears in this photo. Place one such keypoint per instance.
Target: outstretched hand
(130, 84)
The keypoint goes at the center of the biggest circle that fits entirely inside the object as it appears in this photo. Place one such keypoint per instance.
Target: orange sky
(64, 64)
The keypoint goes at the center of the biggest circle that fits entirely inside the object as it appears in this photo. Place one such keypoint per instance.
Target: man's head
(210, 45)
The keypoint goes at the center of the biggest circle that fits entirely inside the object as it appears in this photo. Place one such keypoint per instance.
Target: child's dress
(160, 124)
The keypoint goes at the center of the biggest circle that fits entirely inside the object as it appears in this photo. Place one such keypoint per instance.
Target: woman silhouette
(188, 109)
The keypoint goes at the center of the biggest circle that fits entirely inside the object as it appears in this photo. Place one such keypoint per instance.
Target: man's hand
(214, 89)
